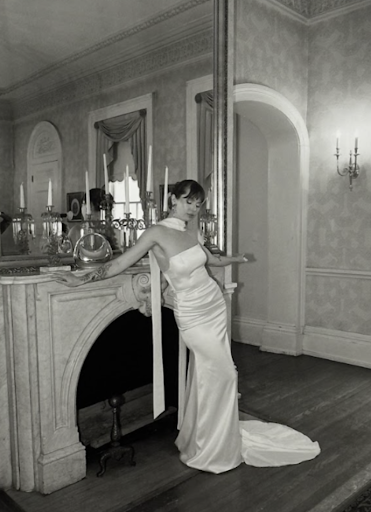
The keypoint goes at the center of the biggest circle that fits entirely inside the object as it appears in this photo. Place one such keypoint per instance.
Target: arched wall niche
(280, 327)
(44, 162)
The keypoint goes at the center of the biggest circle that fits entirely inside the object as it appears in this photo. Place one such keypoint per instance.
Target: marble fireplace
(46, 332)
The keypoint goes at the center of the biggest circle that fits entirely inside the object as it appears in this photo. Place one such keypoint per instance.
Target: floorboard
(328, 401)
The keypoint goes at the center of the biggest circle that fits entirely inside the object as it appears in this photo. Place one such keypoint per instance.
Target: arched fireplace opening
(120, 363)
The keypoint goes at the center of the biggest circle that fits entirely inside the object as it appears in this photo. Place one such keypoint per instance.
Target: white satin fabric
(211, 438)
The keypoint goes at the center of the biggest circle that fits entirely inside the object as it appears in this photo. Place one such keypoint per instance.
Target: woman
(211, 438)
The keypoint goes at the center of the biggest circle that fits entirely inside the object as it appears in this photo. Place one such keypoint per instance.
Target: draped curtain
(110, 132)
(205, 109)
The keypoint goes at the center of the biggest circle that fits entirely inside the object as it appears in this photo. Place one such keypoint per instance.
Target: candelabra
(209, 229)
(23, 231)
(107, 220)
(129, 228)
(353, 168)
(52, 235)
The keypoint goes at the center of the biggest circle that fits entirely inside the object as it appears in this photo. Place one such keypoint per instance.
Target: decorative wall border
(341, 273)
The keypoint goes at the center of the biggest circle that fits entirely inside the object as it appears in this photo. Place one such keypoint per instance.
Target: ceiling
(44, 43)
(48, 43)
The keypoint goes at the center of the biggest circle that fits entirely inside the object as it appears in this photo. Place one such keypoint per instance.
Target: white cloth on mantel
(211, 437)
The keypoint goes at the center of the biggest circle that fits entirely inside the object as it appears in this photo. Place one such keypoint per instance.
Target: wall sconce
(353, 168)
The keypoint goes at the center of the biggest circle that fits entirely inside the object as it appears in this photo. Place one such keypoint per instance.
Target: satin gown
(211, 437)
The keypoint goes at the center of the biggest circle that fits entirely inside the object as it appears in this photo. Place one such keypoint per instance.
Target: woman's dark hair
(190, 187)
(96, 198)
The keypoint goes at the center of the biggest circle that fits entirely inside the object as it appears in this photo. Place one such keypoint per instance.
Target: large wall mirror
(64, 67)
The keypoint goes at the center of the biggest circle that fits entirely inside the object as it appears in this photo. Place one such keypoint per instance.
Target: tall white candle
(149, 171)
(21, 199)
(87, 189)
(356, 143)
(50, 196)
(166, 189)
(207, 202)
(337, 140)
(127, 198)
(105, 174)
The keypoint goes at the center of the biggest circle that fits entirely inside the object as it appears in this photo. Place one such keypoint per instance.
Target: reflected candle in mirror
(166, 186)
(21, 199)
(127, 198)
(105, 174)
(50, 197)
(149, 171)
(88, 209)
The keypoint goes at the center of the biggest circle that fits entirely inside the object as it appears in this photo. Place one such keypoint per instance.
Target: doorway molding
(277, 336)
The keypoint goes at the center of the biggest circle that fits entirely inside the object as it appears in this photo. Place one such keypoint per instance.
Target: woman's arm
(216, 260)
(113, 267)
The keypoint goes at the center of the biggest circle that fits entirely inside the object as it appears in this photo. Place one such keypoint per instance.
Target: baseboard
(344, 347)
(270, 337)
(248, 330)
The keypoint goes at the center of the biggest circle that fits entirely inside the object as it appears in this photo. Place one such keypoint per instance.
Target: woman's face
(186, 209)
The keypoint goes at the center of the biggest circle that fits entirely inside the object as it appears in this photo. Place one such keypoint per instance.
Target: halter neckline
(174, 223)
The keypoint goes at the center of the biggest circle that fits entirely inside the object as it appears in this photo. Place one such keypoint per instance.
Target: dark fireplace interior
(121, 359)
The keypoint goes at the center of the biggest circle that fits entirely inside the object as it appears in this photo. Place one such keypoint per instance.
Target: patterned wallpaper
(271, 50)
(339, 220)
(324, 69)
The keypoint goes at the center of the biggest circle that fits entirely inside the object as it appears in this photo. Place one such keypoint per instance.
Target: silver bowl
(92, 250)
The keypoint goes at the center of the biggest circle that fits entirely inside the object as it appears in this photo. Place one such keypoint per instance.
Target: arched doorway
(44, 163)
(271, 175)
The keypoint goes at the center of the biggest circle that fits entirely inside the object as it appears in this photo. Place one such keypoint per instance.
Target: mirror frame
(223, 70)
(222, 134)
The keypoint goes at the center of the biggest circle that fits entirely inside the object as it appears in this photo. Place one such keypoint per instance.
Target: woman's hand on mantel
(67, 278)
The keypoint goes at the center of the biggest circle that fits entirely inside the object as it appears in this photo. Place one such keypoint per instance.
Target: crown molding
(188, 49)
(310, 9)
(163, 16)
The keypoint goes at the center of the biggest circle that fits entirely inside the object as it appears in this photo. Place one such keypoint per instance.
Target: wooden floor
(328, 401)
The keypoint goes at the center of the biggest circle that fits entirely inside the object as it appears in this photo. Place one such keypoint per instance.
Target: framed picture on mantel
(74, 203)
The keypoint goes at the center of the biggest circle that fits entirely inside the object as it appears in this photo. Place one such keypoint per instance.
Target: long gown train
(211, 437)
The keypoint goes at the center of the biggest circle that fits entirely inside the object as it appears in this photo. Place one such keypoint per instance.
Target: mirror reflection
(75, 91)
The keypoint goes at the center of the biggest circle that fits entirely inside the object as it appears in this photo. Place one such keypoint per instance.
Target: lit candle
(208, 203)
(356, 143)
(149, 171)
(127, 199)
(105, 174)
(21, 200)
(166, 188)
(337, 140)
(50, 196)
(88, 209)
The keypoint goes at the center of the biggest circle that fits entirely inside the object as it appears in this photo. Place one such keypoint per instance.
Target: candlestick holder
(353, 168)
(150, 213)
(52, 236)
(128, 228)
(106, 228)
(209, 229)
(23, 231)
